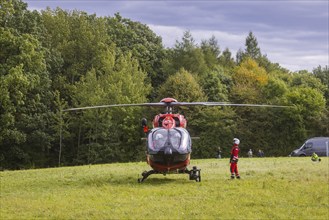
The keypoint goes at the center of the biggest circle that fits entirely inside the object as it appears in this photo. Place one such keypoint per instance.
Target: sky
(294, 34)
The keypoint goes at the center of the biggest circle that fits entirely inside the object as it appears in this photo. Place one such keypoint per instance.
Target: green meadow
(270, 188)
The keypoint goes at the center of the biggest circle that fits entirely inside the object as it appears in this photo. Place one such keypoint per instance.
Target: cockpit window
(178, 139)
(175, 138)
(158, 139)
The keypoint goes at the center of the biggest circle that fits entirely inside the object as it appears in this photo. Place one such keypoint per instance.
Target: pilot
(234, 159)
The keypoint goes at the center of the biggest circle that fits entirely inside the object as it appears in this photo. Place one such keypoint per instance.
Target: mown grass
(270, 188)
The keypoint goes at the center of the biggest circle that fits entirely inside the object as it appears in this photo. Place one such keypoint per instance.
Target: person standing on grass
(219, 153)
(250, 153)
(234, 159)
(260, 153)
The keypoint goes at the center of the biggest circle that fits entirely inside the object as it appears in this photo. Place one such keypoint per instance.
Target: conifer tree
(252, 50)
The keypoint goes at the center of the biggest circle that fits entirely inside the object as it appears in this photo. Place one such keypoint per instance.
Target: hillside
(270, 188)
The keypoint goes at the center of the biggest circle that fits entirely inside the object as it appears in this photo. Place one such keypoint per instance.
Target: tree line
(56, 59)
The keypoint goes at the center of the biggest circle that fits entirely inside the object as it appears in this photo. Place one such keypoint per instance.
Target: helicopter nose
(168, 151)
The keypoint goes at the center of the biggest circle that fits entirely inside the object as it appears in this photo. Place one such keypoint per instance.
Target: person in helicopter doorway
(234, 159)
(315, 158)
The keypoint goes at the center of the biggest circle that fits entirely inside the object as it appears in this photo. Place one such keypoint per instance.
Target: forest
(56, 59)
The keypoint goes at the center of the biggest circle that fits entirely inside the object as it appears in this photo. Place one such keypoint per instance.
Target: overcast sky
(291, 33)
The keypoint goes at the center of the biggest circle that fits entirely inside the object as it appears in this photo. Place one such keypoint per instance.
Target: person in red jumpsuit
(234, 159)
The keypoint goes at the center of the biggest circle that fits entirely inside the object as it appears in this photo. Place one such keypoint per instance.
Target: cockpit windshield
(177, 139)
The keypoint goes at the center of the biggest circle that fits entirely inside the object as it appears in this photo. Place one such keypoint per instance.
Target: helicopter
(168, 143)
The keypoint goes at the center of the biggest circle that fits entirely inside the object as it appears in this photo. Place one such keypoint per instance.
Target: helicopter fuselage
(169, 144)
(168, 149)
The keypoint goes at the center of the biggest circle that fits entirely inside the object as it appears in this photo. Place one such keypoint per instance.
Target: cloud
(284, 48)
(292, 33)
(171, 34)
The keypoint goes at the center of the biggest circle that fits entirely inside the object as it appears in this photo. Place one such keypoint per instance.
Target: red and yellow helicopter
(169, 144)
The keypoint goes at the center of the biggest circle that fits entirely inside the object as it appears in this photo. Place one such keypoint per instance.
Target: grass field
(270, 188)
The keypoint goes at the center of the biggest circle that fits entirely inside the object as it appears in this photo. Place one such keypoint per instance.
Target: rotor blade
(223, 104)
(116, 105)
(175, 104)
(249, 105)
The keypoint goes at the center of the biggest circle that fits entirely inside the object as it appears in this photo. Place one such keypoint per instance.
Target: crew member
(144, 126)
(219, 153)
(234, 159)
(250, 153)
(315, 157)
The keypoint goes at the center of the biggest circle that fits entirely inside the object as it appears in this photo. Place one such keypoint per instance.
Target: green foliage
(309, 102)
(182, 86)
(275, 89)
(6, 12)
(248, 79)
(187, 55)
(226, 59)
(107, 135)
(252, 49)
(216, 127)
(139, 40)
(215, 85)
(307, 80)
(57, 59)
(211, 51)
(25, 97)
(322, 73)
(309, 106)
(78, 37)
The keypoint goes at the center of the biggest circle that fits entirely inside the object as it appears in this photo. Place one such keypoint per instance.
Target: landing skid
(194, 174)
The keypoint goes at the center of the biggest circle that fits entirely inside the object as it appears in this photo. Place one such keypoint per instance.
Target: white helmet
(236, 141)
